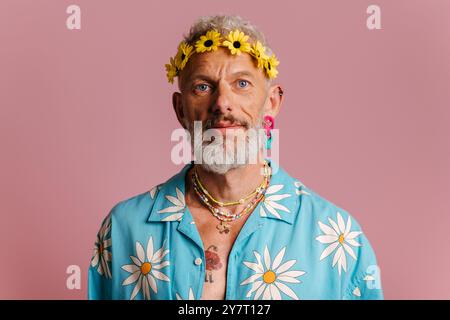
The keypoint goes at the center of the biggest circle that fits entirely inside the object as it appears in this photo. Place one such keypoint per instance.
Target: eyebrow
(209, 79)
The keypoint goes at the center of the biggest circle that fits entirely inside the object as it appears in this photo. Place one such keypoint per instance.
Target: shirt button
(198, 261)
(192, 222)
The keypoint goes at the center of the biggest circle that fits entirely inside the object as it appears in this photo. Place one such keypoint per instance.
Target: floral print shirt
(294, 245)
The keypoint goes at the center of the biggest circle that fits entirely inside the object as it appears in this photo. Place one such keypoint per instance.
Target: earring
(268, 126)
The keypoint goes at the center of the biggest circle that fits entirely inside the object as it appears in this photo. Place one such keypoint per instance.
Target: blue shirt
(294, 245)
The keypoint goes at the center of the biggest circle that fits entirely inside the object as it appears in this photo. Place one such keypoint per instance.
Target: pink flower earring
(269, 123)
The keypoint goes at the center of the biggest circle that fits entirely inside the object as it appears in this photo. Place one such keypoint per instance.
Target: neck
(234, 184)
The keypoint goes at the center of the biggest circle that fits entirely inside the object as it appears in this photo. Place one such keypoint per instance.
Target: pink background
(86, 118)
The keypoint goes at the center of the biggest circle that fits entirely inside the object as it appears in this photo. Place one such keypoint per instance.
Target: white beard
(221, 156)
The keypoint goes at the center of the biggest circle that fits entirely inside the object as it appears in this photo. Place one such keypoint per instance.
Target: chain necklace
(232, 203)
(216, 209)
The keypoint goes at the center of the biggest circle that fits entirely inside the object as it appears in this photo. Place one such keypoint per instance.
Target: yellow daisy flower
(183, 55)
(208, 42)
(236, 41)
(259, 52)
(270, 65)
(172, 70)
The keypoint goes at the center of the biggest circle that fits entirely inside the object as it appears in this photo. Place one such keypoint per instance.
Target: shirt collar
(281, 201)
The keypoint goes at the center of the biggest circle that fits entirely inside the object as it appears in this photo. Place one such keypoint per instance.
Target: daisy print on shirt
(271, 279)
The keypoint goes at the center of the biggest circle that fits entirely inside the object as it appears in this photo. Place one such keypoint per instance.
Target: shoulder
(338, 239)
(327, 223)
(134, 208)
(315, 207)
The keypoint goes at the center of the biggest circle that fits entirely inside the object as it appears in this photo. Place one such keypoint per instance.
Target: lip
(225, 128)
(226, 125)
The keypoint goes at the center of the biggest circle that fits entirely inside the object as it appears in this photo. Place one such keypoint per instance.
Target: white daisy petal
(260, 291)
(132, 278)
(286, 290)
(130, 268)
(171, 209)
(348, 227)
(353, 242)
(159, 275)
(153, 191)
(174, 200)
(161, 265)
(152, 283)
(267, 258)
(136, 261)
(94, 261)
(278, 259)
(252, 278)
(105, 268)
(341, 223)
(255, 286)
(266, 294)
(334, 225)
(327, 230)
(191, 294)
(277, 206)
(254, 266)
(277, 197)
(328, 250)
(353, 234)
(262, 212)
(285, 266)
(137, 288)
(337, 255)
(174, 217)
(140, 252)
(145, 288)
(258, 258)
(108, 256)
(327, 238)
(343, 260)
(293, 273)
(159, 255)
(288, 279)
(274, 292)
(349, 250)
(339, 264)
(100, 269)
(107, 243)
(150, 249)
(180, 196)
(272, 210)
(274, 188)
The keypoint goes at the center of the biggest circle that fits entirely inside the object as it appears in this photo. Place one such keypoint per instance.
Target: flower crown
(236, 41)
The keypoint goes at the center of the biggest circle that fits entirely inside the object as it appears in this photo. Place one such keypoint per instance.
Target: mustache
(233, 121)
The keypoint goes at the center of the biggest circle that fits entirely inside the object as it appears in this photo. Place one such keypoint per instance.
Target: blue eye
(243, 83)
(202, 87)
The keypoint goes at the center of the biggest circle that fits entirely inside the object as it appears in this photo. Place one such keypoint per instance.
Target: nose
(223, 102)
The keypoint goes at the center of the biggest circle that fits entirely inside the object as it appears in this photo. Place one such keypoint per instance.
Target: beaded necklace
(215, 206)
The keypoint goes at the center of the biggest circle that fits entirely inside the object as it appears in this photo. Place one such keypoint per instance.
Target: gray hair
(225, 24)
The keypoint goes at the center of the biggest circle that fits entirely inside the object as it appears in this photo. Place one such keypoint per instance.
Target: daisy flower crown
(236, 41)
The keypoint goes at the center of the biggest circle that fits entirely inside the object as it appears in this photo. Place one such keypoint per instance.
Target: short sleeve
(100, 273)
(363, 281)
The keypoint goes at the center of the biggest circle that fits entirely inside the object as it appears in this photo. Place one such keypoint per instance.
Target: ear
(178, 108)
(274, 100)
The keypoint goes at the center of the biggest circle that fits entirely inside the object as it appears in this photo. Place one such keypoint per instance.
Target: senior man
(228, 229)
